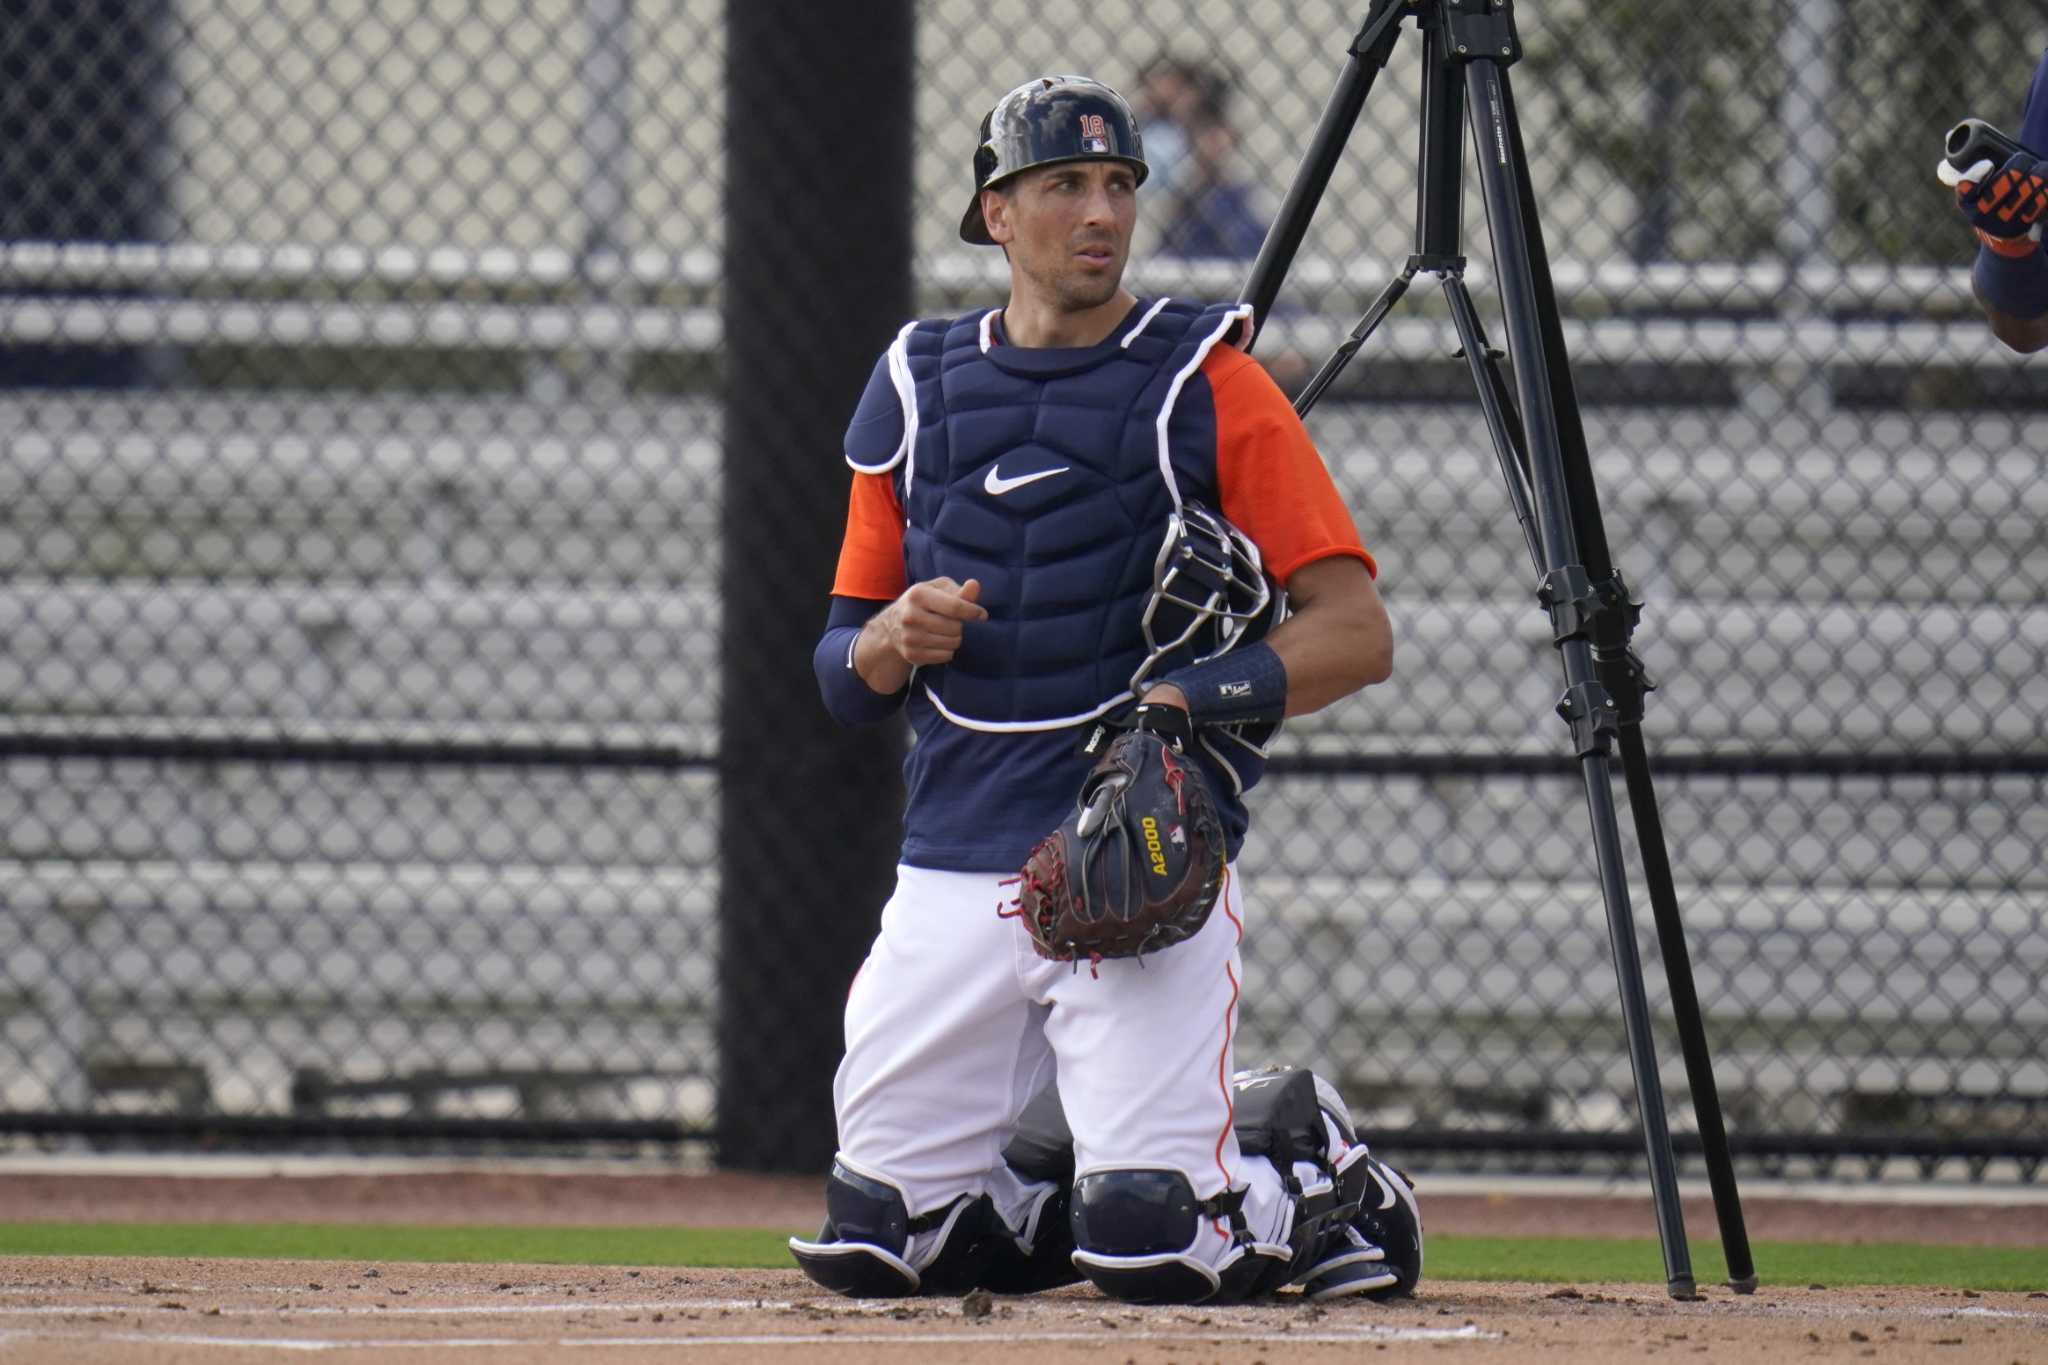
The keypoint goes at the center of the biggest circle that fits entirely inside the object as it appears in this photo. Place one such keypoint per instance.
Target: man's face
(1068, 229)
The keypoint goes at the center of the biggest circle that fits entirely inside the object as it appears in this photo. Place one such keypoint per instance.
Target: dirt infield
(92, 1311)
(96, 1310)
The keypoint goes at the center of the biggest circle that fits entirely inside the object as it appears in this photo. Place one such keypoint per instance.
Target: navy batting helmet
(1053, 118)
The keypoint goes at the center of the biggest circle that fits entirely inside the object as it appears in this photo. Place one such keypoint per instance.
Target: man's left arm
(1275, 488)
(1338, 639)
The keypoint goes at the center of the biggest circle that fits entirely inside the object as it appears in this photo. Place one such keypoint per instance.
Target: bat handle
(1973, 140)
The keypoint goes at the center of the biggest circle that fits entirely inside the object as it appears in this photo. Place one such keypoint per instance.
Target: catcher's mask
(1209, 591)
(1052, 118)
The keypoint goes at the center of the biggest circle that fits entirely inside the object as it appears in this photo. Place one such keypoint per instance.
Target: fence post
(84, 119)
(604, 74)
(1799, 382)
(817, 279)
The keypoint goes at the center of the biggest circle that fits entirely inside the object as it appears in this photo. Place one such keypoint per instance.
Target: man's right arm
(869, 650)
(881, 628)
(847, 694)
(924, 626)
(869, 577)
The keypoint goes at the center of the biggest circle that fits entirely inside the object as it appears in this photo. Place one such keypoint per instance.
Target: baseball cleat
(1353, 1266)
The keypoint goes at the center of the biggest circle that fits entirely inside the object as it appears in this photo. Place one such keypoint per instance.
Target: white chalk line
(685, 1308)
(1845, 1312)
(904, 1339)
(869, 1308)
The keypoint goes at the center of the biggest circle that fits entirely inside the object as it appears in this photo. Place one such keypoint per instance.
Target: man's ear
(995, 212)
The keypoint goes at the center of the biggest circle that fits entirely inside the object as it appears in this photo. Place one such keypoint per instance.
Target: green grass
(731, 1247)
(1638, 1260)
(1555, 1260)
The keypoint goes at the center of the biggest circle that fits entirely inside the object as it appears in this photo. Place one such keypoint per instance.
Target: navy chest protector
(1048, 475)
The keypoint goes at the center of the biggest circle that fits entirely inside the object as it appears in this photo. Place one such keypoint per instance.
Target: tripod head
(1454, 32)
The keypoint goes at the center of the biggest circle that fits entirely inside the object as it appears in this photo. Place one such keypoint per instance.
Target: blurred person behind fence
(1167, 93)
(1207, 209)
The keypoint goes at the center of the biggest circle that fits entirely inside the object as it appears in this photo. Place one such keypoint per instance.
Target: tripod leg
(1587, 706)
(1635, 1011)
(1510, 442)
(1341, 357)
(1511, 445)
(1613, 620)
(1685, 1006)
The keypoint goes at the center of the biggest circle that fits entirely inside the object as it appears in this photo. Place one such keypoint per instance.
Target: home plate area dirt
(141, 1311)
(75, 1311)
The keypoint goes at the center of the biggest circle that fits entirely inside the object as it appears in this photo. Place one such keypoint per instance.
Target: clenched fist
(922, 627)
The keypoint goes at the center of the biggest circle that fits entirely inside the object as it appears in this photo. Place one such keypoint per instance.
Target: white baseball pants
(954, 1022)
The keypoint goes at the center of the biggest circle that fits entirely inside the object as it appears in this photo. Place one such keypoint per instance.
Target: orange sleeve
(871, 555)
(1272, 482)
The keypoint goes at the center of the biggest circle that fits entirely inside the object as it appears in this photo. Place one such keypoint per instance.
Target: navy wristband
(1244, 684)
(2015, 287)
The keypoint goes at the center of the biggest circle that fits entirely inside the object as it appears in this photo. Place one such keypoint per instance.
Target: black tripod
(1468, 46)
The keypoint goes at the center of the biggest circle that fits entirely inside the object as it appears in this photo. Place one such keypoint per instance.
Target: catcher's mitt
(1139, 864)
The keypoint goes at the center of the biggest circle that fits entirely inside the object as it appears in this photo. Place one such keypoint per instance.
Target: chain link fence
(361, 575)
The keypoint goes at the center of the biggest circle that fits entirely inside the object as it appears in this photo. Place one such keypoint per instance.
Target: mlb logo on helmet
(1094, 134)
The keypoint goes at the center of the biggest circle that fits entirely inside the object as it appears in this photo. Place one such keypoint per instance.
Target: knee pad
(865, 1249)
(1136, 1234)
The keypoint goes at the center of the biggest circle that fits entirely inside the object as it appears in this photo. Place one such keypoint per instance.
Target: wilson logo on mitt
(1138, 866)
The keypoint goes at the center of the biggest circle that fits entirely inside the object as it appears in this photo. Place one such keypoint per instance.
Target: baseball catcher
(1094, 560)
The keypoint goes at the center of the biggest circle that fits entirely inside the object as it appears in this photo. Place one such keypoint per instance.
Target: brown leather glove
(1137, 867)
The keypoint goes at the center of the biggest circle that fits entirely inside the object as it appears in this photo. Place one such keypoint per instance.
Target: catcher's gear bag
(1052, 118)
(1139, 864)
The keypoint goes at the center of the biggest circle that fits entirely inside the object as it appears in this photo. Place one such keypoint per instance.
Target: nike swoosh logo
(995, 485)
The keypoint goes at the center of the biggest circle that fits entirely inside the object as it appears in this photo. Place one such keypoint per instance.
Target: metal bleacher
(295, 295)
